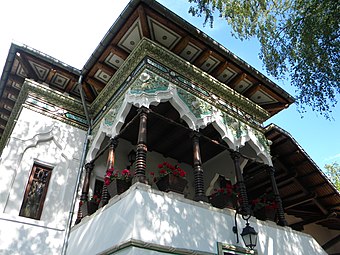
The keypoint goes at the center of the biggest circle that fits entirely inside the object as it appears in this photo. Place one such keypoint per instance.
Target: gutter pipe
(80, 170)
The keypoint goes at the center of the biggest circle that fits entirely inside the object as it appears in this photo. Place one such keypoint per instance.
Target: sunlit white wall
(169, 220)
(38, 138)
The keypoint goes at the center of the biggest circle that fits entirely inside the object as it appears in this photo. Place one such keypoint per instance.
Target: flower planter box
(118, 186)
(265, 214)
(173, 183)
(89, 208)
(219, 200)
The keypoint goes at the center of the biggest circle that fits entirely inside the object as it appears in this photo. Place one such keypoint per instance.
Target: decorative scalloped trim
(141, 93)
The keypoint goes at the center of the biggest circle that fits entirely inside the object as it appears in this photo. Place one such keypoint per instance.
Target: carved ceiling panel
(226, 75)
(162, 34)
(60, 81)
(190, 52)
(260, 97)
(243, 85)
(102, 76)
(209, 64)
(40, 71)
(132, 37)
(114, 60)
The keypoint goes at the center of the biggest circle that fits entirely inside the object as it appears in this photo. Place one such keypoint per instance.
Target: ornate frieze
(196, 105)
(149, 82)
(170, 61)
(149, 88)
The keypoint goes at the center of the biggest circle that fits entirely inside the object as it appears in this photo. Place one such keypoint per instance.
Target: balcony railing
(144, 220)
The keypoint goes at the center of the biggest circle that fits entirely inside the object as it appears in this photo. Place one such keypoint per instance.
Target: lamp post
(249, 235)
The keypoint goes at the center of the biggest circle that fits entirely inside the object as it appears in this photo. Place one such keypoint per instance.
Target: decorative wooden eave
(23, 63)
(47, 101)
(302, 184)
(153, 21)
(148, 48)
(148, 13)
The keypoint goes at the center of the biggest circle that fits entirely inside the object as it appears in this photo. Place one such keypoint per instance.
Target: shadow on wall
(177, 222)
(169, 220)
(27, 239)
(38, 138)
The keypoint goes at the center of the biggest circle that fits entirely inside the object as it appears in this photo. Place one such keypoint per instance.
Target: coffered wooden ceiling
(142, 18)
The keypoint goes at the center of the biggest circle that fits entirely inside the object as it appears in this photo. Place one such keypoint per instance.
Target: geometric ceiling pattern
(157, 24)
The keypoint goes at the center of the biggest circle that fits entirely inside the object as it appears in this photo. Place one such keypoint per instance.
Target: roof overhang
(140, 19)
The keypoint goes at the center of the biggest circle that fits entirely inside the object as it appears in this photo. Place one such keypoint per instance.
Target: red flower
(182, 173)
(152, 173)
(112, 174)
(126, 172)
(167, 168)
(106, 181)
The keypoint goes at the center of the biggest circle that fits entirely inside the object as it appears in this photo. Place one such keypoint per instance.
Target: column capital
(89, 166)
(271, 169)
(195, 135)
(143, 110)
(114, 141)
(235, 154)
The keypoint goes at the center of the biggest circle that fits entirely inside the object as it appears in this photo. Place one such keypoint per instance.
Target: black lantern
(249, 236)
(131, 158)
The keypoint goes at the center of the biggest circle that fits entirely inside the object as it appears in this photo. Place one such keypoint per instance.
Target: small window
(35, 193)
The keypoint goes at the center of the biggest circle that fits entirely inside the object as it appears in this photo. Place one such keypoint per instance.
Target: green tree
(298, 37)
(333, 173)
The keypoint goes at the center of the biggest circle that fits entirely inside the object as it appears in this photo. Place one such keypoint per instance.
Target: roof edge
(113, 30)
(281, 130)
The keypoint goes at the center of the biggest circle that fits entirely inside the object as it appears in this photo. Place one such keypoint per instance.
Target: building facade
(157, 98)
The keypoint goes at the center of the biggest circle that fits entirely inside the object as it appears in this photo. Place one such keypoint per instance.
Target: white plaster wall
(166, 219)
(21, 236)
(36, 137)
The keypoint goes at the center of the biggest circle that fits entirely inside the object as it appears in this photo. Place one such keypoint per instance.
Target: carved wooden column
(198, 170)
(282, 220)
(245, 209)
(85, 190)
(110, 164)
(141, 147)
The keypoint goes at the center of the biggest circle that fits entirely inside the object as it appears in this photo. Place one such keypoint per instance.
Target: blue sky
(70, 30)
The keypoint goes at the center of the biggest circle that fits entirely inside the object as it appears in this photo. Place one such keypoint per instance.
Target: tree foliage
(298, 37)
(333, 173)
